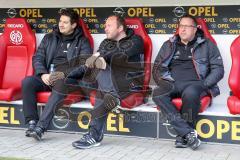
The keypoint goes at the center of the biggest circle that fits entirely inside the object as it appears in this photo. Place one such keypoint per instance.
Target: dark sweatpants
(190, 92)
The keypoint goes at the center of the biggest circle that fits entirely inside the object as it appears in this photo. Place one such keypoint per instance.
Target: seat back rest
(2, 58)
(203, 26)
(87, 33)
(137, 25)
(234, 76)
(19, 45)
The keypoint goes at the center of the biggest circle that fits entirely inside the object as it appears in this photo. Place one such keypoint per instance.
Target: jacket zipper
(195, 64)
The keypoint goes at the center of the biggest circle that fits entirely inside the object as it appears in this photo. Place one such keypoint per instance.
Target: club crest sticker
(16, 37)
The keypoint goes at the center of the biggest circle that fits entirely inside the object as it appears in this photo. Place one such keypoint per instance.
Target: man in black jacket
(56, 56)
(187, 66)
(123, 52)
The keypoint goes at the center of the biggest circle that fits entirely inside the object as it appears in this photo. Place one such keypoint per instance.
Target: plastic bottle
(51, 70)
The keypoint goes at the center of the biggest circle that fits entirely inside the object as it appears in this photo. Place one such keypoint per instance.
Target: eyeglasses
(186, 26)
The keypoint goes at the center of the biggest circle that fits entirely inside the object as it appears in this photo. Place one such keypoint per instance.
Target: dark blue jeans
(104, 85)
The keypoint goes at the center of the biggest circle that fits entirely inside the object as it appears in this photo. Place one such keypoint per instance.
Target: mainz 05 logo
(16, 37)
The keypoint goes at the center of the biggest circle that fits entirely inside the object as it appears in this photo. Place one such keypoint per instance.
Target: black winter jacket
(48, 47)
(206, 59)
(125, 58)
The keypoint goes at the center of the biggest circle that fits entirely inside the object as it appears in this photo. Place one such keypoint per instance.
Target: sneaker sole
(88, 147)
(195, 146)
(181, 146)
(27, 134)
(36, 137)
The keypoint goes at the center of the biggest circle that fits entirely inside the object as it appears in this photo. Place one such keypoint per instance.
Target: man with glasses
(187, 66)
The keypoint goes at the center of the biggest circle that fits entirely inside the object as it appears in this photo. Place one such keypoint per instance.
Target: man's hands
(50, 79)
(45, 79)
(95, 61)
(100, 63)
(91, 60)
(56, 76)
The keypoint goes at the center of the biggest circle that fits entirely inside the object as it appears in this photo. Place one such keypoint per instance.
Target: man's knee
(60, 87)
(191, 93)
(28, 82)
(56, 97)
(157, 95)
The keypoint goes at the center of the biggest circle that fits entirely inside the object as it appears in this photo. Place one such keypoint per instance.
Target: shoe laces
(39, 130)
(191, 137)
(195, 132)
(88, 138)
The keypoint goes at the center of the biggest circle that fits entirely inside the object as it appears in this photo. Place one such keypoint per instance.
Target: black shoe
(31, 126)
(181, 142)
(37, 133)
(192, 140)
(86, 142)
(111, 103)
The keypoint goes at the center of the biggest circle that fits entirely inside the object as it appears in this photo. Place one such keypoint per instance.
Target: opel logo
(225, 31)
(11, 12)
(164, 25)
(61, 119)
(175, 20)
(179, 11)
(225, 20)
(151, 20)
(213, 25)
(238, 25)
(119, 11)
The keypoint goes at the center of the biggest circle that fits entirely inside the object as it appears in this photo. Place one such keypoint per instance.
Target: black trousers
(33, 84)
(30, 86)
(190, 92)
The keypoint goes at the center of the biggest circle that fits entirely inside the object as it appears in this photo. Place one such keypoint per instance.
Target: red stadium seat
(206, 100)
(234, 78)
(136, 99)
(42, 97)
(86, 32)
(202, 25)
(17, 45)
